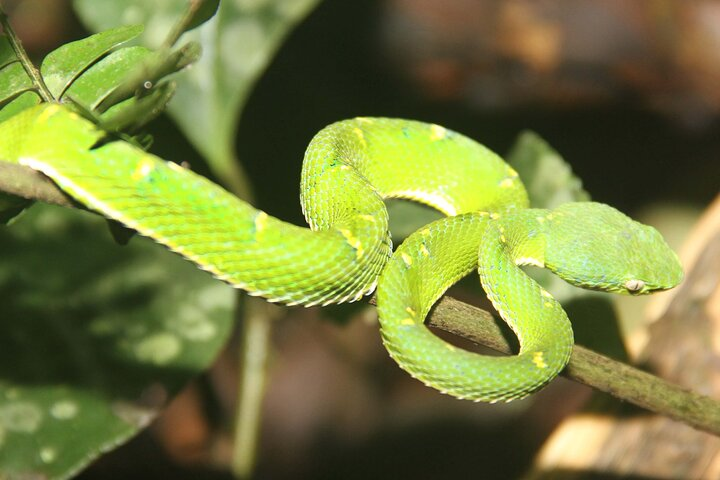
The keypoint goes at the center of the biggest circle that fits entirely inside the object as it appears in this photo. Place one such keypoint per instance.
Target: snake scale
(350, 167)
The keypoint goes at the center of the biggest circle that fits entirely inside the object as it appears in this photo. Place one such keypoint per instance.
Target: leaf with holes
(94, 338)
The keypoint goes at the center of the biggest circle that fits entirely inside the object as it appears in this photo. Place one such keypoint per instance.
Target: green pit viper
(350, 167)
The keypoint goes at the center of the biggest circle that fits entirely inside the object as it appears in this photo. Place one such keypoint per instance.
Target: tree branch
(590, 368)
(26, 183)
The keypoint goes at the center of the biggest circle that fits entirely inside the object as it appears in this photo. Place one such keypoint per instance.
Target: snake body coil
(349, 168)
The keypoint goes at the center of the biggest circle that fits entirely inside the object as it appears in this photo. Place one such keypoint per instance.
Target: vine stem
(586, 366)
(256, 317)
(24, 59)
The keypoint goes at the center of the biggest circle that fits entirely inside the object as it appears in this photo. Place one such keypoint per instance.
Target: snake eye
(634, 286)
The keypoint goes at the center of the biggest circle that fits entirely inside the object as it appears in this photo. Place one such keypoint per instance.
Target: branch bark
(590, 368)
(26, 183)
(586, 366)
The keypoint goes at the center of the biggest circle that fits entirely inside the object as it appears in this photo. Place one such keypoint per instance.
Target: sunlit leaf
(146, 73)
(98, 81)
(18, 104)
(61, 66)
(137, 111)
(13, 82)
(94, 338)
(7, 54)
(13, 78)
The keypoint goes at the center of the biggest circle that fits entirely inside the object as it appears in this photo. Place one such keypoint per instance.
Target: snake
(350, 168)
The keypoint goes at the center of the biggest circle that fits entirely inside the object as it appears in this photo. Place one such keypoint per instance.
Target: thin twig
(586, 366)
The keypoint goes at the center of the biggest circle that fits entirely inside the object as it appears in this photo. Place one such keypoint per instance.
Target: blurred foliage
(95, 338)
(548, 178)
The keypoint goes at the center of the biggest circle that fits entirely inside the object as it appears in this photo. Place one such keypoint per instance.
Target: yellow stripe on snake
(350, 167)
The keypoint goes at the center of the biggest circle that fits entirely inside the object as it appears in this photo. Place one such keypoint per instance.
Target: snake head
(592, 245)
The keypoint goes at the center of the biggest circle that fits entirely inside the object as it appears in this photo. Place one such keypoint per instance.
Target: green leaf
(238, 44)
(205, 10)
(7, 54)
(97, 82)
(63, 65)
(13, 82)
(547, 177)
(137, 111)
(84, 73)
(94, 338)
(17, 105)
(147, 72)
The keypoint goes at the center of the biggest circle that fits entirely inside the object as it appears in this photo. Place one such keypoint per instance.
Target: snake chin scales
(349, 168)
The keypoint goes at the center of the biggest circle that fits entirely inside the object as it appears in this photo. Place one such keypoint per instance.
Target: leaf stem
(24, 59)
(255, 328)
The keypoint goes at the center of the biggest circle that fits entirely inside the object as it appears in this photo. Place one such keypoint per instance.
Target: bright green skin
(349, 168)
